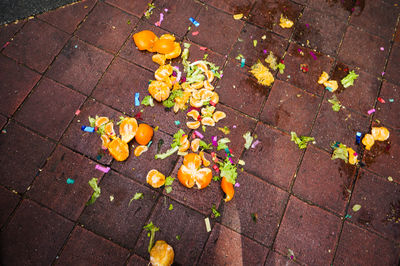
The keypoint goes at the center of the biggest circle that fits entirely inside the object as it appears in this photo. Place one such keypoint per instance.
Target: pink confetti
(77, 112)
(6, 44)
(195, 33)
(383, 73)
(102, 168)
(381, 100)
(382, 49)
(265, 51)
(197, 133)
(237, 185)
(203, 48)
(230, 159)
(234, 126)
(313, 55)
(166, 10)
(214, 141)
(299, 50)
(307, 25)
(158, 23)
(255, 143)
(371, 111)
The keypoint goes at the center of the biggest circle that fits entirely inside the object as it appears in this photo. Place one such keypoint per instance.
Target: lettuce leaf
(170, 102)
(340, 152)
(96, 191)
(302, 141)
(349, 79)
(281, 68)
(335, 103)
(167, 153)
(152, 229)
(222, 144)
(248, 138)
(148, 100)
(205, 146)
(228, 170)
(177, 138)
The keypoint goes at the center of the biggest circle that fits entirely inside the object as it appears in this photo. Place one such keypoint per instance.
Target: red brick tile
(67, 18)
(397, 37)
(79, 66)
(393, 66)
(267, 13)
(36, 50)
(8, 31)
(84, 248)
(86, 143)
(241, 90)
(272, 42)
(233, 6)
(136, 260)
(22, 154)
(226, 247)
(181, 221)
(337, 8)
(290, 108)
(363, 50)
(323, 181)
(196, 54)
(342, 126)
(378, 18)
(137, 168)
(3, 121)
(388, 112)
(306, 81)
(8, 202)
(136, 8)
(33, 236)
(360, 247)
(384, 156)
(274, 159)
(320, 31)
(118, 86)
(277, 259)
(214, 25)
(16, 83)
(116, 219)
(107, 27)
(380, 205)
(362, 95)
(303, 224)
(51, 189)
(50, 108)
(268, 203)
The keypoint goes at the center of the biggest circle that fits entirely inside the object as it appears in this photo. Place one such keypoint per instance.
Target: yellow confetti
(264, 37)
(238, 16)
(390, 179)
(208, 225)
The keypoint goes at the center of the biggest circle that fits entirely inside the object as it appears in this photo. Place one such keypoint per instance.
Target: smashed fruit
(368, 141)
(155, 179)
(228, 189)
(118, 149)
(144, 40)
(380, 133)
(191, 174)
(159, 90)
(139, 150)
(128, 128)
(161, 254)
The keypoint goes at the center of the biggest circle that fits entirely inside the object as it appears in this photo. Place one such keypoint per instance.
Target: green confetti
(171, 207)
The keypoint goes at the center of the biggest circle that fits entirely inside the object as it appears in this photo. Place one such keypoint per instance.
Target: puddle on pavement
(379, 148)
(346, 172)
(341, 71)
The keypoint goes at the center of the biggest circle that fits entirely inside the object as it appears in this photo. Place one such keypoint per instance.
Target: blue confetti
(177, 122)
(347, 216)
(194, 22)
(329, 89)
(227, 151)
(70, 181)
(391, 100)
(148, 145)
(358, 137)
(137, 102)
(242, 62)
(87, 129)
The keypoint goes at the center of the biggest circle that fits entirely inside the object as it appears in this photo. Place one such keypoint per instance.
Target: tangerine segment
(227, 188)
(208, 111)
(162, 254)
(380, 133)
(215, 98)
(155, 179)
(175, 52)
(128, 128)
(109, 129)
(197, 85)
(368, 141)
(196, 102)
(195, 145)
(118, 149)
(159, 59)
(101, 121)
(144, 134)
(167, 37)
(202, 66)
(210, 76)
(203, 158)
(159, 90)
(163, 46)
(192, 160)
(105, 141)
(144, 40)
(203, 177)
(208, 85)
(185, 176)
(193, 125)
(193, 114)
(208, 121)
(139, 150)
(218, 115)
(163, 72)
(184, 143)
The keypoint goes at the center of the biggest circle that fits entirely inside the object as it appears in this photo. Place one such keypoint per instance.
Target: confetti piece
(194, 22)
(356, 207)
(313, 55)
(348, 216)
(237, 185)
(242, 62)
(238, 16)
(264, 37)
(382, 49)
(87, 129)
(390, 179)
(76, 46)
(102, 168)
(383, 73)
(214, 157)
(111, 198)
(358, 137)
(137, 102)
(391, 100)
(150, 142)
(5, 45)
(231, 160)
(265, 51)
(177, 122)
(255, 143)
(234, 126)
(70, 181)
(158, 23)
(381, 100)
(77, 112)
(198, 134)
(202, 48)
(254, 43)
(208, 225)
(214, 141)
(371, 111)
(195, 33)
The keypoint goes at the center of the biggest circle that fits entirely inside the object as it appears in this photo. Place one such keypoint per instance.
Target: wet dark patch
(353, 6)
(393, 216)
(346, 172)
(379, 148)
(341, 71)
(365, 217)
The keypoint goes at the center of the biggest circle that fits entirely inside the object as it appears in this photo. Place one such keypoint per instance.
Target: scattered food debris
(285, 22)
(70, 181)
(356, 207)
(302, 141)
(96, 191)
(238, 16)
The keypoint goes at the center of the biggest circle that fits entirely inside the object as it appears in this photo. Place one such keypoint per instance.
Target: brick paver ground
(292, 207)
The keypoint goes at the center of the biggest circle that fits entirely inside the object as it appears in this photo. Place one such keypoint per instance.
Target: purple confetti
(230, 159)
(158, 23)
(265, 51)
(307, 25)
(313, 55)
(234, 126)
(214, 141)
(102, 168)
(197, 133)
(237, 185)
(382, 49)
(371, 111)
(255, 143)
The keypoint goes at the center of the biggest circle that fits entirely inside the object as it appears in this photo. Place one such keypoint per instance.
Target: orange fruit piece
(218, 115)
(159, 59)
(208, 121)
(207, 85)
(144, 134)
(101, 121)
(193, 114)
(380, 133)
(192, 160)
(205, 94)
(185, 144)
(203, 158)
(118, 149)
(193, 124)
(215, 98)
(162, 254)
(196, 102)
(139, 150)
(210, 76)
(159, 90)
(128, 128)
(197, 85)
(144, 40)
(105, 141)
(227, 188)
(109, 129)
(203, 178)
(163, 72)
(167, 37)
(195, 145)
(163, 46)
(155, 179)
(175, 52)
(352, 158)
(202, 66)
(189, 173)
(208, 111)
(368, 141)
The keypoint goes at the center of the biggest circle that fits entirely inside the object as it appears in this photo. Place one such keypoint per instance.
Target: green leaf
(177, 138)
(169, 180)
(205, 146)
(228, 170)
(170, 102)
(152, 229)
(121, 119)
(349, 79)
(215, 212)
(335, 103)
(248, 138)
(168, 189)
(302, 141)
(171, 207)
(340, 152)
(178, 237)
(92, 121)
(96, 191)
(281, 68)
(167, 153)
(216, 178)
(148, 100)
(222, 144)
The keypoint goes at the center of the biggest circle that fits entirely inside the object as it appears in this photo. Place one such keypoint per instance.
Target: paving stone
(226, 247)
(3, 121)
(233, 6)
(267, 13)
(50, 108)
(290, 108)
(67, 18)
(303, 224)
(79, 66)
(136, 260)
(116, 219)
(241, 90)
(393, 66)
(293, 74)
(325, 182)
(214, 25)
(86, 143)
(181, 221)
(380, 205)
(251, 33)
(387, 112)
(277, 259)
(137, 168)
(8, 31)
(22, 154)
(35, 50)
(320, 31)
(16, 83)
(33, 236)
(8, 202)
(52, 190)
(339, 9)
(266, 160)
(362, 95)
(111, 27)
(378, 18)
(84, 248)
(136, 8)
(341, 126)
(360, 247)
(255, 210)
(176, 19)
(201, 200)
(397, 37)
(118, 86)
(384, 155)
(196, 54)
(363, 50)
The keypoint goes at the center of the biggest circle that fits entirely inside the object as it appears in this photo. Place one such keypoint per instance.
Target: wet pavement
(292, 206)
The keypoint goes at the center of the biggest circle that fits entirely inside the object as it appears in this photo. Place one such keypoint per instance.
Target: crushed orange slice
(118, 149)
(163, 46)
(163, 72)
(323, 78)
(155, 179)
(380, 133)
(193, 124)
(161, 254)
(197, 85)
(208, 111)
(109, 129)
(368, 141)
(228, 189)
(128, 128)
(101, 121)
(139, 150)
(195, 145)
(189, 173)
(208, 121)
(105, 141)
(159, 90)
(175, 52)
(218, 115)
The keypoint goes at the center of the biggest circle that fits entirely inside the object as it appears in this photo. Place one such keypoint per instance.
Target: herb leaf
(215, 212)
(228, 170)
(96, 191)
(152, 229)
(148, 100)
(302, 141)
